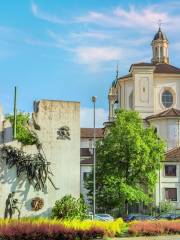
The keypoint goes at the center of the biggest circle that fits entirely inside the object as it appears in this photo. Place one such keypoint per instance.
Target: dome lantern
(160, 46)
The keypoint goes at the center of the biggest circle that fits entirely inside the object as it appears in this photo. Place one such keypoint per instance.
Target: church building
(153, 89)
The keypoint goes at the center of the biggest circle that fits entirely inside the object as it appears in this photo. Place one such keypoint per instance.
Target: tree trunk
(126, 208)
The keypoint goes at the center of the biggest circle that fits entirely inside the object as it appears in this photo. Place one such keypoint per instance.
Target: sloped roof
(87, 161)
(166, 68)
(125, 76)
(173, 155)
(172, 112)
(159, 68)
(89, 132)
(160, 35)
(142, 64)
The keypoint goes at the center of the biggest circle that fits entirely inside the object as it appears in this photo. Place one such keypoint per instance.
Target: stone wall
(63, 155)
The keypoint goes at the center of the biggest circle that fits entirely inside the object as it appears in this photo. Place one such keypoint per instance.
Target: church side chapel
(153, 89)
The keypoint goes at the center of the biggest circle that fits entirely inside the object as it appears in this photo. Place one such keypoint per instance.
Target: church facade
(153, 89)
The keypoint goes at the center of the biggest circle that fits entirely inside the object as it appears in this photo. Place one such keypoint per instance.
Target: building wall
(86, 143)
(85, 169)
(168, 130)
(168, 182)
(162, 82)
(64, 156)
(124, 91)
(143, 90)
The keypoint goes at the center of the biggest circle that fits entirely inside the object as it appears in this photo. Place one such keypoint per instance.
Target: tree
(128, 158)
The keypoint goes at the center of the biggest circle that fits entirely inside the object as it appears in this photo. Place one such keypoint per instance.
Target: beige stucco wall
(162, 81)
(168, 182)
(124, 90)
(147, 90)
(86, 143)
(64, 156)
(169, 130)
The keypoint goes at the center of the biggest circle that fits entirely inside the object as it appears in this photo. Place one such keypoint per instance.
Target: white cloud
(87, 117)
(91, 55)
(145, 18)
(90, 34)
(45, 16)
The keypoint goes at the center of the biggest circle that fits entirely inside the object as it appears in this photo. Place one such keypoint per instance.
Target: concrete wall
(64, 156)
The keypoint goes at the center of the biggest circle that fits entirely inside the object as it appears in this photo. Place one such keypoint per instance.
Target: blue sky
(68, 50)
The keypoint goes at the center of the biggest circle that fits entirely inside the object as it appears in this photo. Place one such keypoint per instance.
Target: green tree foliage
(127, 162)
(70, 208)
(24, 135)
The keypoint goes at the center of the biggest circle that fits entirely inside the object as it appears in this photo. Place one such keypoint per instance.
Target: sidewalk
(169, 237)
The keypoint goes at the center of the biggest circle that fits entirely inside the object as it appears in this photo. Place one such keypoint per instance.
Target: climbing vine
(34, 167)
(23, 134)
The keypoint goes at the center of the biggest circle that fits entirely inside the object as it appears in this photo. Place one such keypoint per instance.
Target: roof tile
(173, 155)
(172, 112)
(87, 161)
(89, 132)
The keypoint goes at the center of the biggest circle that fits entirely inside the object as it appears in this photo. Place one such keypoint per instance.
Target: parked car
(169, 216)
(101, 217)
(104, 217)
(138, 217)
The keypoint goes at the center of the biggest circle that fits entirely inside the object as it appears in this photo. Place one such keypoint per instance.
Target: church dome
(160, 36)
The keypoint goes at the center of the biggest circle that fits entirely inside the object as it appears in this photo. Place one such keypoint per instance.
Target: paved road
(170, 237)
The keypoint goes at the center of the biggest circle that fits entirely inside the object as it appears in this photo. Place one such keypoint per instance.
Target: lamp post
(94, 158)
(15, 113)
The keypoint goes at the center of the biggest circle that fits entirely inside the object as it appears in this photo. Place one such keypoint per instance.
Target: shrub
(29, 231)
(23, 134)
(110, 229)
(166, 206)
(154, 227)
(69, 208)
(43, 229)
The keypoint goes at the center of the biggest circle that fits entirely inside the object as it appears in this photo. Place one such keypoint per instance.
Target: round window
(167, 99)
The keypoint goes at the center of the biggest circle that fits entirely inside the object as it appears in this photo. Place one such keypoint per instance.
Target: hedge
(154, 228)
(34, 229)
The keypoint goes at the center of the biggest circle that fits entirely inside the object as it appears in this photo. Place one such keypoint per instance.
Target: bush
(70, 208)
(29, 231)
(166, 206)
(154, 228)
(110, 229)
(43, 229)
(23, 134)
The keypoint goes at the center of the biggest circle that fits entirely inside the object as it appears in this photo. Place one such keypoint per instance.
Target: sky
(69, 49)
